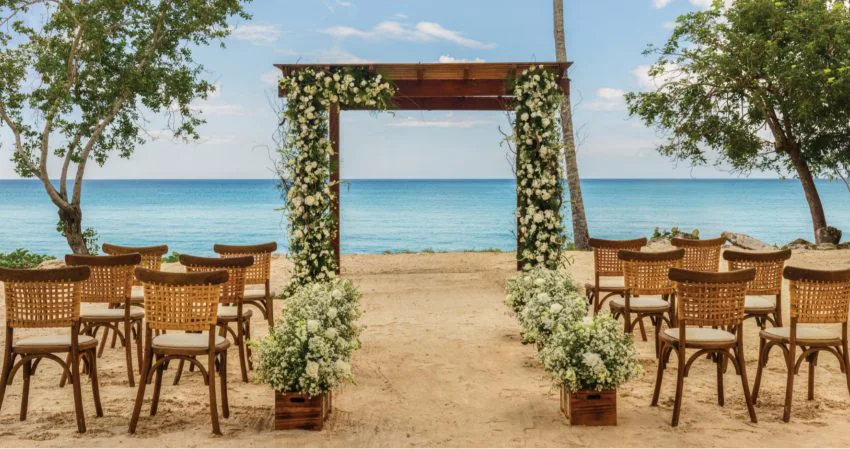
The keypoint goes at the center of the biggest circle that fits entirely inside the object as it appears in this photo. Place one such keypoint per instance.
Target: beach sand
(442, 365)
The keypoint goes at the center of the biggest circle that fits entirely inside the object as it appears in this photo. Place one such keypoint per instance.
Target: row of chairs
(201, 307)
(705, 308)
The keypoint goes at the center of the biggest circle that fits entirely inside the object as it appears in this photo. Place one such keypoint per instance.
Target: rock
(825, 246)
(799, 244)
(51, 264)
(745, 241)
(828, 234)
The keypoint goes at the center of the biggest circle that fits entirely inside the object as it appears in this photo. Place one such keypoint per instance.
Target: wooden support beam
(452, 88)
(445, 103)
(333, 131)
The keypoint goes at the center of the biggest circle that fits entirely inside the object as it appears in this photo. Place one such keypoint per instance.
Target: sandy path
(441, 365)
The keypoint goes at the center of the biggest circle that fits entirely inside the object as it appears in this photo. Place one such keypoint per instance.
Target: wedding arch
(316, 94)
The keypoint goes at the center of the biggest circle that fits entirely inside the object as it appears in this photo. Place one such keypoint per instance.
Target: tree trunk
(71, 226)
(580, 233)
(810, 190)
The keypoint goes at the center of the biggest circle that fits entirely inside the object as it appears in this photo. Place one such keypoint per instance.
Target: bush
(591, 354)
(523, 287)
(171, 258)
(309, 349)
(21, 258)
(659, 233)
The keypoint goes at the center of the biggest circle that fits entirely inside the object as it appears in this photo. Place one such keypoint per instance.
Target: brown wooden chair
(608, 270)
(258, 292)
(768, 282)
(151, 260)
(231, 305)
(110, 285)
(182, 302)
(48, 299)
(816, 297)
(710, 316)
(648, 290)
(700, 255)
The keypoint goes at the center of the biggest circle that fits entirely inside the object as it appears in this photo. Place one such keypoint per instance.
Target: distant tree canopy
(76, 77)
(759, 85)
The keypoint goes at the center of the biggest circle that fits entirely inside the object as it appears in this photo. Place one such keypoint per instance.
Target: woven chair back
(181, 301)
(151, 255)
(818, 296)
(605, 260)
(111, 279)
(711, 299)
(768, 266)
(232, 291)
(43, 298)
(700, 255)
(646, 273)
(260, 271)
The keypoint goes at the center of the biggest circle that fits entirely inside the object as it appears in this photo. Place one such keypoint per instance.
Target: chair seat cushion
(805, 335)
(229, 312)
(190, 342)
(59, 342)
(642, 304)
(138, 293)
(701, 335)
(99, 312)
(254, 292)
(759, 304)
(608, 283)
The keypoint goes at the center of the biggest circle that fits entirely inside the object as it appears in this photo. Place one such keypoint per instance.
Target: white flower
(524, 116)
(556, 308)
(331, 333)
(313, 325)
(312, 369)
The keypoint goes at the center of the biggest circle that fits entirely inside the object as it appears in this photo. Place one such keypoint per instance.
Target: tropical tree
(75, 86)
(580, 233)
(757, 85)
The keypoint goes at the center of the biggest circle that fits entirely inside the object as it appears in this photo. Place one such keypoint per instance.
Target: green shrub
(21, 258)
(659, 233)
(171, 258)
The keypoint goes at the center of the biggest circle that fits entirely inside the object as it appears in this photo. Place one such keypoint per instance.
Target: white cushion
(229, 312)
(257, 292)
(91, 311)
(803, 333)
(641, 303)
(138, 293)
(759, 303)
(54, 340)
(702, 335)
(181, 340)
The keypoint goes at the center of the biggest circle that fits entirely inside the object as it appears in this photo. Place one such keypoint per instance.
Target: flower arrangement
(305, 167)
(309, 349)
(544, 312)
(539, 171)
(524, 287)
(591, 354)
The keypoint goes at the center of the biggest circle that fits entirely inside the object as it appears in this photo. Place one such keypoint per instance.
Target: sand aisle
(442, 365)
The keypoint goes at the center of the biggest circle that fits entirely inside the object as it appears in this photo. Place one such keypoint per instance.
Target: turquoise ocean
(406, 215)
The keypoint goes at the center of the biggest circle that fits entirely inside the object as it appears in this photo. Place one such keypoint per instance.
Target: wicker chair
(608, 270)
(648, 290)
(258, 292)
(768, 282)
(151, 260)
(47, 299)
(700, 255)
(110, 284)
(817, 297)
(182, 302)
(710, 316)
(230, 309)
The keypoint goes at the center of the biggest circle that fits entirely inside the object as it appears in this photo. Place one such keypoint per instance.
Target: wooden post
(333, 122)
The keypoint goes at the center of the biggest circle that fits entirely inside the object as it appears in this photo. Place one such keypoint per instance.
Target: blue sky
(604, 38)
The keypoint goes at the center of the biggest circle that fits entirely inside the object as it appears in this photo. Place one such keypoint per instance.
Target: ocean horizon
(380, 215)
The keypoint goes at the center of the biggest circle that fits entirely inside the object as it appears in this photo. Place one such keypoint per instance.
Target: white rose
(313, 370)
(312, 325)
(556, 308)
(331, 333)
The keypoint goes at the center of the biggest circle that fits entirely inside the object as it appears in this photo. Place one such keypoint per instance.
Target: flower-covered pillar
(539, 152)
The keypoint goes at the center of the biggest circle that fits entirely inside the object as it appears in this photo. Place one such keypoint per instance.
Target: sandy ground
(442, 365)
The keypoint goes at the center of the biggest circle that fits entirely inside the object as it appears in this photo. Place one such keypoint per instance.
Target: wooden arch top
(480, 86)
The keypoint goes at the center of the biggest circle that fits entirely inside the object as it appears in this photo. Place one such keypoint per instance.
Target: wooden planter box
(590, 408)
(298, 411)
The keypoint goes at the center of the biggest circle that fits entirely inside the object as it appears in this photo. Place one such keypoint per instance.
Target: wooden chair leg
(789, 386)
(211, 382)
(64, 379)
(660, 375)
(269, 306)
(95, 384)
(642, 328)
(719, 361)
(760, 368)
(157, 385)
(680, 384)
(777, 315)
(128, 353)
(742, 367)
(225, 405)
(137, 337)
(25, 394)
(813, 361)
(243, 359)
(8, 360)
(179, 373)
(248, 352)
(140, 394)
(76, 386)
(103, 341)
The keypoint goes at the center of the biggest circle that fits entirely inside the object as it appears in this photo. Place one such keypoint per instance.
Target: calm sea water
(400, 215)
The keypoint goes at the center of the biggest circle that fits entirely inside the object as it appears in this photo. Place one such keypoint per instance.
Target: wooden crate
(298, 411)
(590, 408)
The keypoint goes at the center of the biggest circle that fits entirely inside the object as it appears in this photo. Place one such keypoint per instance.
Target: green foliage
(171, 258)
(22, 258)
(90, 237)
(659, 233)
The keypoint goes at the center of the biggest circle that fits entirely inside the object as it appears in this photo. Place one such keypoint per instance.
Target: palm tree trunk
(580, 233)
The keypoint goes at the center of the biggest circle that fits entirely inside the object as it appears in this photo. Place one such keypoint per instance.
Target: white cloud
(670, 24)
(660, 3)
(446, 59)
(646, 81)
(448, 122)
(607, 99)
(225, 109)
(401, 16)
(257, 34)
(271, 77)
(421, 32)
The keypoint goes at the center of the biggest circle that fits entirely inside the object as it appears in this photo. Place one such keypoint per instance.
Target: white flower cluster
(541, 299)
(306, 167)
(309, 349)
(590, 354)
(539, 172)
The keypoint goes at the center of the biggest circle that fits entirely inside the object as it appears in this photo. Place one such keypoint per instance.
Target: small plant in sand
(309, 349)
(525, 286)
(590, 354)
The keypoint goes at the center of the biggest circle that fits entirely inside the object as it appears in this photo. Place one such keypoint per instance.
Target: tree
(76, 86)
(580, 233)
(758, 85)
